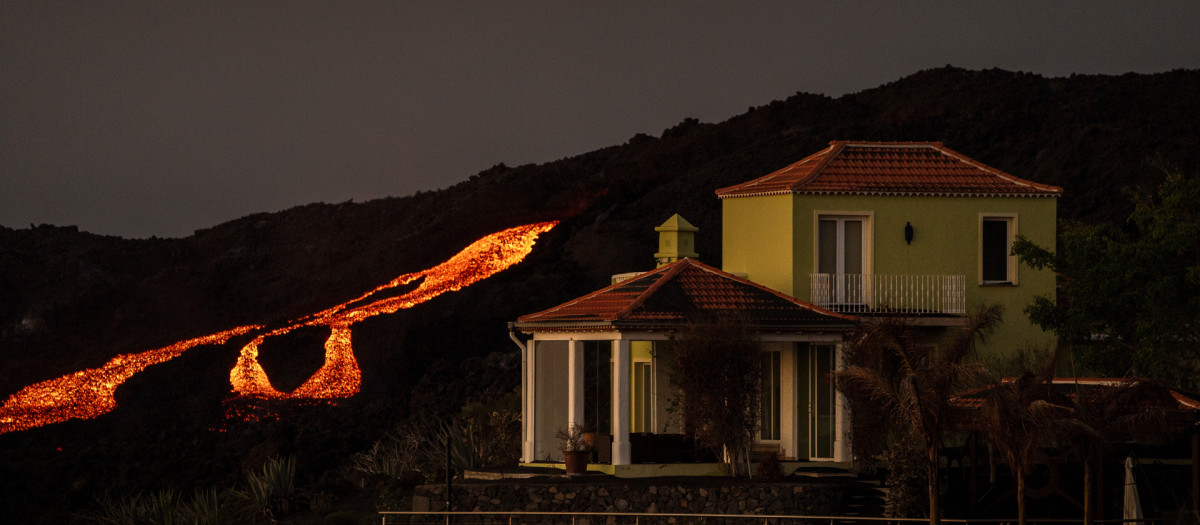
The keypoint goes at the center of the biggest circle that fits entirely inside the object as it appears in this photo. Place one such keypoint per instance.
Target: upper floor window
(842, 256)
(996, 265)
(840, 245)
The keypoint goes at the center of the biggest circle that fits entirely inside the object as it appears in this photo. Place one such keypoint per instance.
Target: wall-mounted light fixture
(908, 232)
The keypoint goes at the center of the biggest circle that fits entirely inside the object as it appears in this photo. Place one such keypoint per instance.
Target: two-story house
(856, 230)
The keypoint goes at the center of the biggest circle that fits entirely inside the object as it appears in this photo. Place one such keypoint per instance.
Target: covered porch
(594, 363)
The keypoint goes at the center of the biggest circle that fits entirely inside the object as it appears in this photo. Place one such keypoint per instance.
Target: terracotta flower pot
(576, 461)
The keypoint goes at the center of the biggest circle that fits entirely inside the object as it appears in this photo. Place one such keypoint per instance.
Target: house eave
(661, 326)
(732, 195)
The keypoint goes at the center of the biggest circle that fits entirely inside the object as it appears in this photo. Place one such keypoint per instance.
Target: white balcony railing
(883, 293)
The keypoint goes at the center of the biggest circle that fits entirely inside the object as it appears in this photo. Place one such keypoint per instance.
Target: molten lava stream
(89, 393)
(340, 377)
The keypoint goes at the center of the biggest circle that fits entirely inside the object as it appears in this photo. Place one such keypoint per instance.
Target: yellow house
(858, 229)
(895, 228)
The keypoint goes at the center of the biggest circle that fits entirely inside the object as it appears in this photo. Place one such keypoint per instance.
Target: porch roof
(890, 168)
(1069, 387)
(671, 295)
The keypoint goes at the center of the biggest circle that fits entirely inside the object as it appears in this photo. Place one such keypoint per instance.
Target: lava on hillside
(89, 393)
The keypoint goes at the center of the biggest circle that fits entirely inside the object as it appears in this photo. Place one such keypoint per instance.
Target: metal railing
(890, 293)
(632, 518)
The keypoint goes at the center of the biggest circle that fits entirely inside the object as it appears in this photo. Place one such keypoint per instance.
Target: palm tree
(1132, 407)
(1020, 420)
(1022, 417)
(892, 374)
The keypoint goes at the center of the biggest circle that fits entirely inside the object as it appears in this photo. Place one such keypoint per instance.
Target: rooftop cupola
(676, 240)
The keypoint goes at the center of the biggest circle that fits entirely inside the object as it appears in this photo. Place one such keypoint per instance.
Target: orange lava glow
(89, 393)
(340, 377)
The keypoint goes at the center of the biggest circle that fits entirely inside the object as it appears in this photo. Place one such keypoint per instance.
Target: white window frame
(868, 247)
(638, 419)
(868, 235)
(1011, 219)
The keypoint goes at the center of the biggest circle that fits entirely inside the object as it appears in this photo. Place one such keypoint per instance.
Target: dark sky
(162, 117)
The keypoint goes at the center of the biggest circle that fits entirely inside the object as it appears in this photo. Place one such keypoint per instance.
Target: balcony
(879, 294)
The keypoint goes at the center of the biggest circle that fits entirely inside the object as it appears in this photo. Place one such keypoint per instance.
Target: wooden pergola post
(1195, 471)
(974, 472)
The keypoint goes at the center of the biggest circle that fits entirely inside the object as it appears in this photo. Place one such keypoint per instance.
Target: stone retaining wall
(720, 496)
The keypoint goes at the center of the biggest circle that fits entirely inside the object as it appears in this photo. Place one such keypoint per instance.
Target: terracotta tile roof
(890, 168)
(675, 293)
(973, 399)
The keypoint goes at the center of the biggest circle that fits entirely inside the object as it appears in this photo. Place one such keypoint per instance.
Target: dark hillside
(1089, 134)
(71, 300)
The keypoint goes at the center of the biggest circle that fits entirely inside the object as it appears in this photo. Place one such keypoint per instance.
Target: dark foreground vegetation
(72, 300)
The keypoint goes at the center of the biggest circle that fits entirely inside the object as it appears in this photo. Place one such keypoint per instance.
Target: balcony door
(840, 255)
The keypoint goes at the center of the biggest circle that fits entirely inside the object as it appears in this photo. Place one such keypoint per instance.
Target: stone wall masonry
(706, 496)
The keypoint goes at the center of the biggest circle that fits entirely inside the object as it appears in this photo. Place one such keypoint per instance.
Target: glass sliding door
(821, 412)
(769, 422)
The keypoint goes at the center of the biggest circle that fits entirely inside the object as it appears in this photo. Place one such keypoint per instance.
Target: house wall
(946, 240)
(774, 244)
(757, 239)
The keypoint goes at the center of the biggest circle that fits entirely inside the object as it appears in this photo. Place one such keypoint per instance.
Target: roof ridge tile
(883, 168)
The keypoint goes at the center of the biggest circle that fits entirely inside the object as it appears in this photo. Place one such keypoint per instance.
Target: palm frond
(980, 325)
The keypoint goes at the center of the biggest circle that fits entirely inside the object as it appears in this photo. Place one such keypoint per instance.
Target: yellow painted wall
(757, 239)
(946, 241)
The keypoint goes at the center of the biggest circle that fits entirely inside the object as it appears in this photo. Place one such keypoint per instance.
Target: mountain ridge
(73, 299)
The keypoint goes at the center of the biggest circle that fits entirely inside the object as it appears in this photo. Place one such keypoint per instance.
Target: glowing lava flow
(340, 377)
(89, 393)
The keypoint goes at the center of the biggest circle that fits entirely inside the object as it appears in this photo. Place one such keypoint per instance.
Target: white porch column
(574, 384)
(842, 451)
(620, 403)
(529, 405)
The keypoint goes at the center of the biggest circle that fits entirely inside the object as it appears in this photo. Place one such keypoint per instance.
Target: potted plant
(575, 449)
